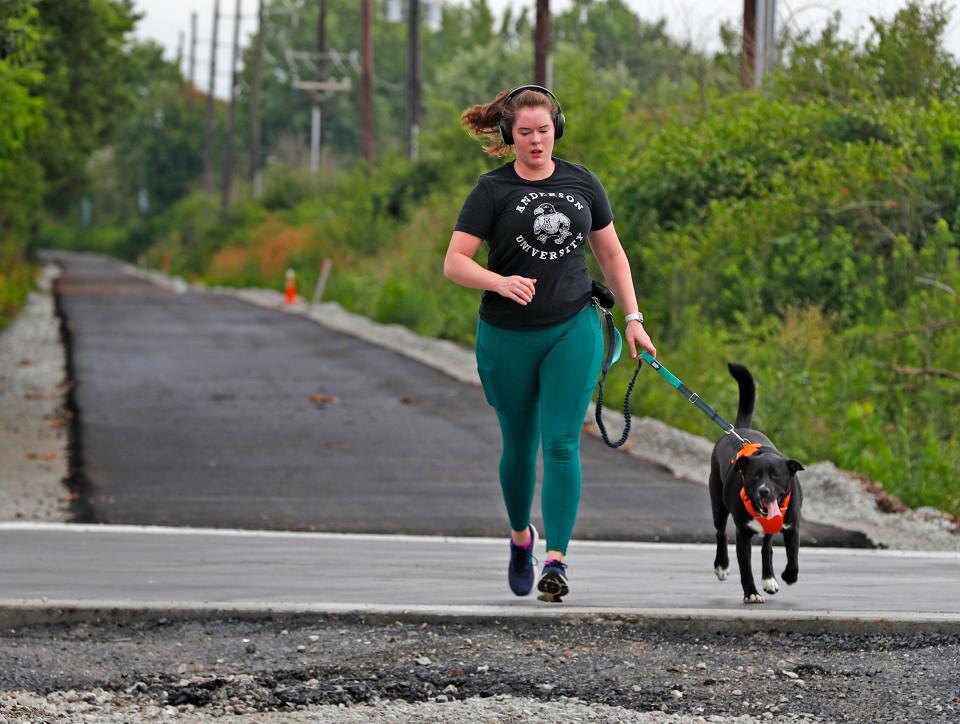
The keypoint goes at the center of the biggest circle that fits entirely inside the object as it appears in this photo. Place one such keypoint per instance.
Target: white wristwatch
(638, 316)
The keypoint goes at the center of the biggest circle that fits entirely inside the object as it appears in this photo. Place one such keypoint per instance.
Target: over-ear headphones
(506, 131)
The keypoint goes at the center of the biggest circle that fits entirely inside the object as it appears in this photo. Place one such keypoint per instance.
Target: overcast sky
(696, 21)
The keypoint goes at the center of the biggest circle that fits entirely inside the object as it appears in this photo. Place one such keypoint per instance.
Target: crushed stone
(33, 425)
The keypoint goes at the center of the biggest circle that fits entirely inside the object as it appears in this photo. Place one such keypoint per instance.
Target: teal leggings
(540, 382)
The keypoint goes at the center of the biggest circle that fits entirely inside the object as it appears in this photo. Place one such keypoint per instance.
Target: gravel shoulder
(33, 417)
(324, 668)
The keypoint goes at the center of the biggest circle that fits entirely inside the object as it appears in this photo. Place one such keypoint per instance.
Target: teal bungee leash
(691, 396)
(614, 350)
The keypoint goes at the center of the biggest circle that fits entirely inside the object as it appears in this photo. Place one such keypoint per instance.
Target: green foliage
(16, 282)
(21, 121)
(87, 84)
(158, 146)
(616, 38)
(20, 111)
(903, 57)
(402, 302)
(796, 254)
(285, 188)
(906, 53)
(644, 60)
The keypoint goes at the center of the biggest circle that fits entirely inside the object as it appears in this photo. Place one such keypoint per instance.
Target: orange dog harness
(770, 525)
(746, 451)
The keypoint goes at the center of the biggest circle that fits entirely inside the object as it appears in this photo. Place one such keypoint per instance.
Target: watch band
(634, 316)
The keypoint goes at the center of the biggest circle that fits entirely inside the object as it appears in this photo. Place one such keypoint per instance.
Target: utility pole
(413, 78)
(749, 43)
(366, 85)
(759, 41)
(320, 88)
(193, 49)
(541, 44)
(208, 130)
(255, 133)
(316, 117)
(765, 53)
(180, 52)
(231, 116)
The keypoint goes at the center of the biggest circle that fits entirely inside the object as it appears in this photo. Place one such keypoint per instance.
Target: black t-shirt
(537, 229)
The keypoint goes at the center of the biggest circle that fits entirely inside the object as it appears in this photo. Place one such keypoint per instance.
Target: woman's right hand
(519, 289)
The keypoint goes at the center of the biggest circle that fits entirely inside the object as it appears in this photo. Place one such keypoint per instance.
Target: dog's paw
(753, 598)
(790, 576)
(770, 585)
(722, 573)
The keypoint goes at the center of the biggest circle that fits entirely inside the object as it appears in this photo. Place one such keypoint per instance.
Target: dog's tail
(748, 393)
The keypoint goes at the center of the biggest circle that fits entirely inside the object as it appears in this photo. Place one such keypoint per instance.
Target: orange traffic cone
(290, 295)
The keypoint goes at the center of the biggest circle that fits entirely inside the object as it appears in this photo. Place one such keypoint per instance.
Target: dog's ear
(794, 467)
(741, 464)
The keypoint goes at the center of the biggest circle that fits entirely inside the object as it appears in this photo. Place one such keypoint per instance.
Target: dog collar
(746, 451)
(769, 525)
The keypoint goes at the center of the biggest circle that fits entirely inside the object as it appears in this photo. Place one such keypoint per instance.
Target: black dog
(758, 486)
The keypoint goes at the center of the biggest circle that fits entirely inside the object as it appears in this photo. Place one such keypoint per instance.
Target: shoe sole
(552, 589)
(523, 593)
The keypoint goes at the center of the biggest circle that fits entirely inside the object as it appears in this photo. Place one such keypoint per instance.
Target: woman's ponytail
(482, 121)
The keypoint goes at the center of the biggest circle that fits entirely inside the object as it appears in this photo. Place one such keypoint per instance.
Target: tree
(20, 109)
(21, 120)
(158, 145)
(615, 36)
(285, 112)
(87, 85)
(902, 57)
(907, 56)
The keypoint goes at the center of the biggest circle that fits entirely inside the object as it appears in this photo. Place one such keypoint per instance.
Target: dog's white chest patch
(755, 526)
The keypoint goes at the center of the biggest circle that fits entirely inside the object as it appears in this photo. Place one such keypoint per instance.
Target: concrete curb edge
(696, 621)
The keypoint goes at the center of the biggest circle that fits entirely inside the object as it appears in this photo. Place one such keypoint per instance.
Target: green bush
(16, 282)
(285, 188)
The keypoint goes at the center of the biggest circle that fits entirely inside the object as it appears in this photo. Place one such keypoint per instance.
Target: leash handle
(663, 371)
(608, 362)
(626, 412)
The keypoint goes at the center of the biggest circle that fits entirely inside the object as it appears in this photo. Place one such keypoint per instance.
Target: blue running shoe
(521, 572)
(553, 582)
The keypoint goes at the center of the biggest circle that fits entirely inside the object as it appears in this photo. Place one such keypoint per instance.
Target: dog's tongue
(773, 510)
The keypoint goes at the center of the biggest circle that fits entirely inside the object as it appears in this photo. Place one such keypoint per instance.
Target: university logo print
(550, 224)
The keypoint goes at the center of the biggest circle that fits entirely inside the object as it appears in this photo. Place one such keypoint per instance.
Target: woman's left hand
(637, 337)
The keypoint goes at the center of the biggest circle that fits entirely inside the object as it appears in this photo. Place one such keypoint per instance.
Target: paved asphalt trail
(199, 409)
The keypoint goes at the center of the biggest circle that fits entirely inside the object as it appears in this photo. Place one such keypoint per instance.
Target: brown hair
(482, 121)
